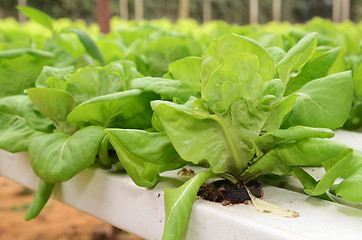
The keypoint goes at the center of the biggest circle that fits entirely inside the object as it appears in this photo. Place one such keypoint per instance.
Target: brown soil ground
(57, 221)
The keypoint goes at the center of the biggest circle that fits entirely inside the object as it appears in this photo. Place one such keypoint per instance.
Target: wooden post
(183, 9)
(21, 16)
(207, 11)
(254, 11)
(103, 15)
(123, 9)
(345, 10)
(337, 10)
(277, 10)
(138, 9)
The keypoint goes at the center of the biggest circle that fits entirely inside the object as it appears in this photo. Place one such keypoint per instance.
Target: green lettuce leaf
(88, 43)
(203, 137)
(354, 120)
(92, 82)
(237, 77)
(350, 188)
(163, 49)
(297, 57)
(309, 182)
(57, 157)
(254, 118)
(323, 102)
(20, 121)
(276, 53)
(332, 174)
(266, 39)
(357, 80)
(144, 155)
(54, 103)
(59, 73)
(268, 141)
(187, 70)
(13, 53)
(166, 88)
(37, 16)
(351, 171)
(14, 79)
(317, 68)
(103, 153)
(178, 205)
(41, 197)
(284, 156)
(127, 71)
(113, 109)
(229, 45)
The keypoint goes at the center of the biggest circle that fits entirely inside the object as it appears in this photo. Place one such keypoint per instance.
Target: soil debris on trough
(226, 192)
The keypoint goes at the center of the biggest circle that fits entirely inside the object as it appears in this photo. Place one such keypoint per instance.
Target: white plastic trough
(115, 199)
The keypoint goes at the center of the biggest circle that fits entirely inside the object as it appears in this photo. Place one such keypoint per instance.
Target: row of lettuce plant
(255, 116)
(242, 111)
(153, 45)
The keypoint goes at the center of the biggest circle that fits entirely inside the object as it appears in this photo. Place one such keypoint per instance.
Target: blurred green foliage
(232, 11)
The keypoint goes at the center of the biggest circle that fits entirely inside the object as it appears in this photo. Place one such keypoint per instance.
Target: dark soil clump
(225, 192)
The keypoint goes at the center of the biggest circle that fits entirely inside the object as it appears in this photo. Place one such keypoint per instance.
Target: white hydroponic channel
(115, 199)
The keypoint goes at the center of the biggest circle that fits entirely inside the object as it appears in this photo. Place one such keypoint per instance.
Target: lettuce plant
(61, 122)
(54, 52)
(255, 116)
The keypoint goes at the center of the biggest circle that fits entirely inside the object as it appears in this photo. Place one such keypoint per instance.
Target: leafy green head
(245, 110)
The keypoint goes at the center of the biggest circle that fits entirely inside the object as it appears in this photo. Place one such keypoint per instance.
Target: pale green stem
(238, 165)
